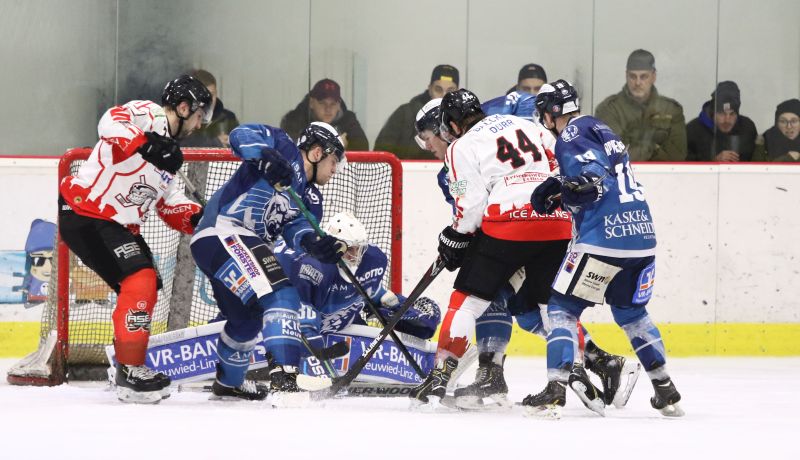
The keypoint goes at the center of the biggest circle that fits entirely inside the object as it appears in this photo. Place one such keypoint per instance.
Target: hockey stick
(351, 374)
(354, 281)
(192, 189)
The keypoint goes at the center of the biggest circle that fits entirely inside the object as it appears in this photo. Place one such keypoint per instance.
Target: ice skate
(548, 403)
(249, 390)
(666, 398)
(618, 376)
(589, 395)
(489, 384)
(429, 394)
(140, 384)
(283, 388)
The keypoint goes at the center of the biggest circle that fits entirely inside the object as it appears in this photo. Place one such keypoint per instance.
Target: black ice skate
(140, 384)
(617, 374)
(589, 395)
(549, 402)
(249, 390)
(433, 389)
(489, 383)
(666, 398)
(283, 387)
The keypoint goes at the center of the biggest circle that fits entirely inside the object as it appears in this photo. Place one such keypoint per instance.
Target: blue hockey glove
(545, 197)
(582, 190)
(327, 249)
(274, 167)
(453, 247)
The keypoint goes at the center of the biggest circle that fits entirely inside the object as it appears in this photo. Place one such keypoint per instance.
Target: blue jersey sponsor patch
(644, 285)
(232, 277)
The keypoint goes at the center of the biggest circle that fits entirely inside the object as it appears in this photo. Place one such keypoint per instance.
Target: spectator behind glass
(720, 133)
(214, 134)
(324, 103)
(530, 79)
(782, 141)
(651, 125)
(397, 135)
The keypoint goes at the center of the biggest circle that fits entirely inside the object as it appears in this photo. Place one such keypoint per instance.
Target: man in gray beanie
(650, 125)
(720, 133)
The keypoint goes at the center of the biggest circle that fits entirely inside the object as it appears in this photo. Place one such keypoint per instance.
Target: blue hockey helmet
(557, 98)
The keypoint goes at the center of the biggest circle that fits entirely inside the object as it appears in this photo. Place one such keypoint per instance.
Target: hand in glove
(453, 247)
(162, 151)
(327, 249)
(275, 168)
(545, 198)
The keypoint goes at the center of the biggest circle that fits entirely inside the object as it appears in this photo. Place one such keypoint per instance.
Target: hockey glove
(453, 247)
(162, 151)
(581, 190)
(327, 249)
(274, 167)
(545, 198)
(195, 219)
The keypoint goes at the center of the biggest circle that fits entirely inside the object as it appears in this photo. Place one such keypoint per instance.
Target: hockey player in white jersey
(493, 164)
(612, 255)
(494, 326)
(128, 176)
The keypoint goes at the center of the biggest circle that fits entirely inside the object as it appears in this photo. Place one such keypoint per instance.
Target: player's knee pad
(133, 315)
(562, 342)
(421, 319)
(646, 341)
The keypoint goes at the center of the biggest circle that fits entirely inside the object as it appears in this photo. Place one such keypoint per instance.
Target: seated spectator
(720, 133)
(324, 103)
(530, 79)
(215, 133)
(397, 135)
(651, 125)
(781, 142)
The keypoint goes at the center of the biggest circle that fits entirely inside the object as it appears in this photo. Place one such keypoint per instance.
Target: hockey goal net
(76, 322)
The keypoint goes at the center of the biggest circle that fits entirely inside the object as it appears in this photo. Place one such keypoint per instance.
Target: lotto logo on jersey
(137, 321)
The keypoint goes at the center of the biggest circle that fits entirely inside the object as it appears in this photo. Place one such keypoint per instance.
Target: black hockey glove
(545, 197)
(453, 247)
(162, 151)
(582, 190)
(275, 168)
(327, 249)
(195, 219)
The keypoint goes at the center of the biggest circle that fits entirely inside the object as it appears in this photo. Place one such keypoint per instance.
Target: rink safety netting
(369, 187)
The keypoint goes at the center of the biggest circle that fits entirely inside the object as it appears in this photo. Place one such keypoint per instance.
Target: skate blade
(290, 399)
(434, 404)
(129, 396)
(629, 374)
(672, 410)
(166, 392)
(497, 402)
(547, 412)
(595, 405)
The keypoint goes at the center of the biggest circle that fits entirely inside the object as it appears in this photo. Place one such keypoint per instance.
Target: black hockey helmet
(557, 98)
(189, 89)
(428, 120)
(324, 135)
(456, 106)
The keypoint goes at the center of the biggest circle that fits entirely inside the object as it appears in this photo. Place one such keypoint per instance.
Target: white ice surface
(736, 408)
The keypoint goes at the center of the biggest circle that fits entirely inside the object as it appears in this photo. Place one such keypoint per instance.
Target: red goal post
(76, 323)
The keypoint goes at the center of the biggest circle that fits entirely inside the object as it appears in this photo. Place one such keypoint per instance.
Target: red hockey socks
(135, 304)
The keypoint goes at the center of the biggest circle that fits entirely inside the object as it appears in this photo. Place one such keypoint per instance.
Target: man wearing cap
(397, 135)
(651, 125)
(720, 133)
(782, 141)
(530, 79)
(324, 103)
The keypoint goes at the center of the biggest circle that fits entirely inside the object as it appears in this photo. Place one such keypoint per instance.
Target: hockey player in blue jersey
(612, 254)
(233, 246)
(331, 302)
(493, 328)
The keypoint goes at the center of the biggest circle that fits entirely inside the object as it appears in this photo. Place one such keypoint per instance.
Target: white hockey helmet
(427, 120)
(344, 226)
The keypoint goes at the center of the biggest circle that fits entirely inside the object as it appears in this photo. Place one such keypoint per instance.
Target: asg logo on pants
(127, 250)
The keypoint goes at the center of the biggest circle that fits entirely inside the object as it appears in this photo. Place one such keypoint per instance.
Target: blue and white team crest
(278, 212)
(646, 281)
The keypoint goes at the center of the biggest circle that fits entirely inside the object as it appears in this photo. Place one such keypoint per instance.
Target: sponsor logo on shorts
(569, 264)
(137, 321)
(127, 250)
(242, 256)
